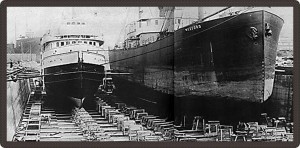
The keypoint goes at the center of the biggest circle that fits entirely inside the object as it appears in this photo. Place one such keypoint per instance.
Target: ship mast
(140, 13)
(73, 12)
(140, 16)
(15, 35)
(200, 14)
(167, 12)
(215, 13)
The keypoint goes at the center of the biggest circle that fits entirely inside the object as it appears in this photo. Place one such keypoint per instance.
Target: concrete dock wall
(17, 95)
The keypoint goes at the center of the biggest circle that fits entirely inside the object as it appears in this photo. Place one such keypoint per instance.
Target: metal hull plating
(227, 57)
(73, 81)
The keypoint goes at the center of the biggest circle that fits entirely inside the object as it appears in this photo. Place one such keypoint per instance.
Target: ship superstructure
(73, 61)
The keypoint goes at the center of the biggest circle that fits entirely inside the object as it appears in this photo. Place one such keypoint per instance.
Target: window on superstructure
(178, 21)
(79, 41)
(73, 23)
(68, 23)
(73, 42)
(85, 42)
(94, 43)
(88, 36)
(57, 44)
(62, 43)
(156, 22)
(90, 43)
(82, 23)
(78, 23)
(67, 43)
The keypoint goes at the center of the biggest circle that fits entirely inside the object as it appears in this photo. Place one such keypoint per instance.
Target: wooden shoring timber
(111, 113)
(152, 138)
(115, 117)
(33, 126)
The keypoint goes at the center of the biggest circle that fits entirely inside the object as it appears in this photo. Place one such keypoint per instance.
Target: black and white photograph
(159, 73)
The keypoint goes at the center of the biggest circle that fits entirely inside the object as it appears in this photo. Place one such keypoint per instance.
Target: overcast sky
(111, 19)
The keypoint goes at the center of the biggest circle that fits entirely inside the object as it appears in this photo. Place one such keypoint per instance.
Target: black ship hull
(140, 96)
(72, 83)
(230, 59)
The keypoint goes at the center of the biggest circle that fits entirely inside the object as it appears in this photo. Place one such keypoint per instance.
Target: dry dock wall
(17, 95)
(281, 101)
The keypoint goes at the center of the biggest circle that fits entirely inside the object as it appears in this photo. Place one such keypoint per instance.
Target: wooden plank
(61, 130)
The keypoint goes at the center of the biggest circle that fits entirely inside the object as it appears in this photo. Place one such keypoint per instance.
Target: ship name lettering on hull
(193, 28)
